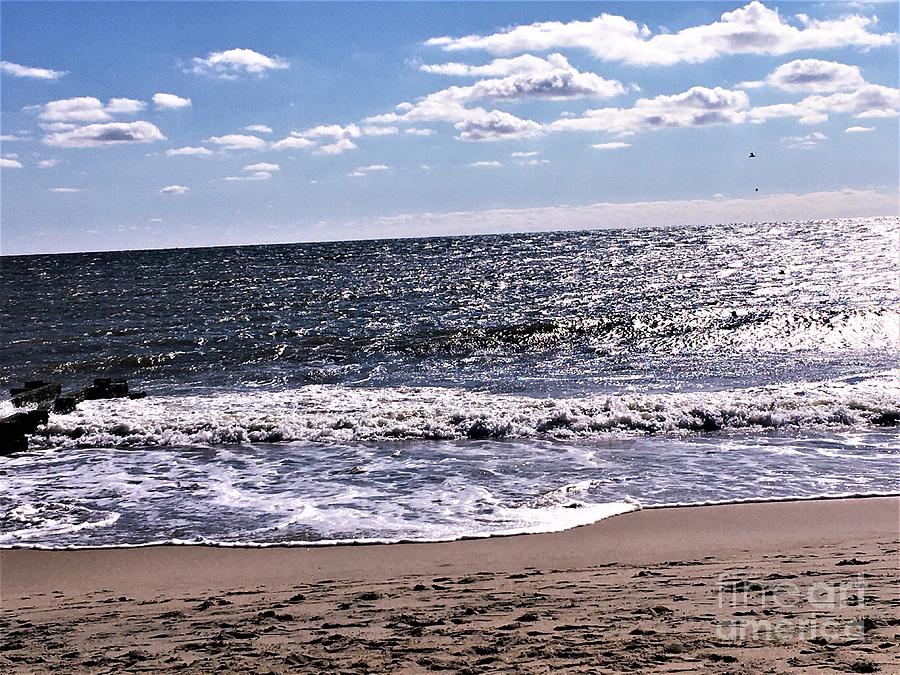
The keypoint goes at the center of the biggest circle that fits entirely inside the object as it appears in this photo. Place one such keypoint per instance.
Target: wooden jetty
(47, 396)
(14, 430)
(35, 391)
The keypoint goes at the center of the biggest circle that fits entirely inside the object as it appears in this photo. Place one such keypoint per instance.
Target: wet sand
(808, 586)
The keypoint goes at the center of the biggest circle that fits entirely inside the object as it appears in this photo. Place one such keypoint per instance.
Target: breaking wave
(339, 414)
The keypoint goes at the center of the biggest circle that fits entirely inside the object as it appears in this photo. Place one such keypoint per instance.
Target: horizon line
(460, 235)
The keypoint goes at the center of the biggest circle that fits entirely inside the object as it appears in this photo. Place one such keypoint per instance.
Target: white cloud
(170, 101)
(815, 76)
(614, 145)
(531, 153)
(175, 190)
(858, 130)
(696, 107)
(188, 150)
(17, 70)
(262, 166)
(11, 138)
(258, 129)
(807, 142)
(527, 63)
(333, 131)
(496, 125)
(379, 131)
(339, 146)
(551, 78)
(100, 135)
(48, 163)
(413, 131)
(292, 143)
(237, 142)
(365, 170)
(486, 164)
(870, 100)
(532, 162)
(325, 139)
(84, 109)
(232, 63)
(701, 106)
(10, 163)
(124, 106)
(528, 76)
(66, 190)
(753, 29)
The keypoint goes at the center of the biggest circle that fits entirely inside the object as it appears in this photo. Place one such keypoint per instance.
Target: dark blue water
(436, 388)
(552, 313)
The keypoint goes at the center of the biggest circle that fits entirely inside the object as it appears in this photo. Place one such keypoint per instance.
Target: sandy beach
(806, 586)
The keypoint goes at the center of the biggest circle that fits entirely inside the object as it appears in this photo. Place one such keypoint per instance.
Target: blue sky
(150, 125)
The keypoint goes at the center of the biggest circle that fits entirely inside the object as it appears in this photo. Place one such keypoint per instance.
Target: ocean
(439, 388)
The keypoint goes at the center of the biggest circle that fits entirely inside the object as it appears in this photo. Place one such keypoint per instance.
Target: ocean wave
(695, 331)
(339, 414)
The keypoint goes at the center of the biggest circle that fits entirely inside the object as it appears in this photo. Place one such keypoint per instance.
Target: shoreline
(642, 590)
(327, 543)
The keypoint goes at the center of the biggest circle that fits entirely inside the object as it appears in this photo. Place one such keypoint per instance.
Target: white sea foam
(519, 521)
(304, 493)
(49, 528)
(340, 414)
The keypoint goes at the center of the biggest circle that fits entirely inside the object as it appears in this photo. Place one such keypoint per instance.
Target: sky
(155, 125)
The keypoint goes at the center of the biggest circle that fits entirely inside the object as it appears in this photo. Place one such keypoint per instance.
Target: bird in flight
(752, 156)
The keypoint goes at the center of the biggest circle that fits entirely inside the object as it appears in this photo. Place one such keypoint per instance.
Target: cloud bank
(768, 208)
(520, 79)
(866, 102)
(696, 107)
(753, 29)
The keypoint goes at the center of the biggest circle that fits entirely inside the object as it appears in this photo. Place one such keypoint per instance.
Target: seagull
(752, 156)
